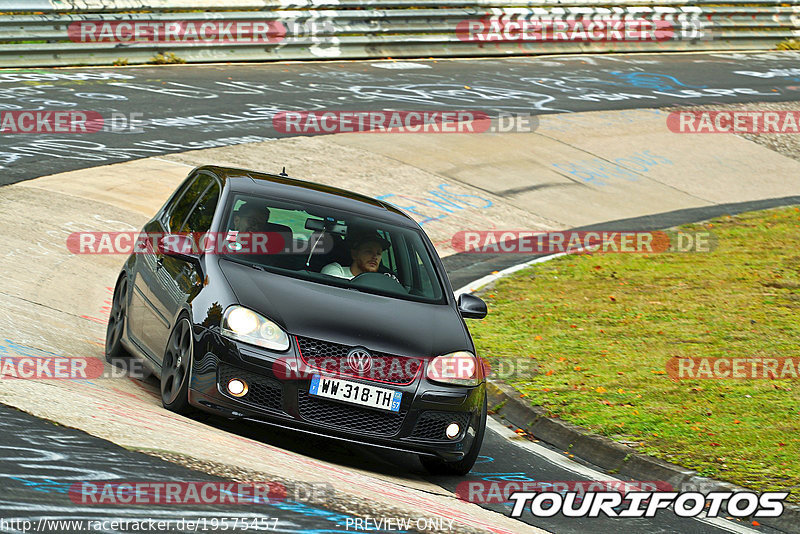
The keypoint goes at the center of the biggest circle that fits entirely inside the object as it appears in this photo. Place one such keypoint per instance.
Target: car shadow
(401, 465)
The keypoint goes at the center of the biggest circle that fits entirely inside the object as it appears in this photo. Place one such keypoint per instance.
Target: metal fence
(101, 32)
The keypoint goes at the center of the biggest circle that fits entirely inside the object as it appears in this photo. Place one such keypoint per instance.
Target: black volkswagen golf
(259, 297)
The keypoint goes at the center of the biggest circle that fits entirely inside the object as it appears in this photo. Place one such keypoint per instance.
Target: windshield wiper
(246, 263)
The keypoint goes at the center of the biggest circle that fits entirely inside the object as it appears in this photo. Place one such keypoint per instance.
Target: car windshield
(329, 247)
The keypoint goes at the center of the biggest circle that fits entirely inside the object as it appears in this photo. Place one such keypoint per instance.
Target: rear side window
(200, 218)
(294, 219)
(420, 272)
(178, 212)
(387, 258)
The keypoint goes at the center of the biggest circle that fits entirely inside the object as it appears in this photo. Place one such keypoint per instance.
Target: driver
(366, 248)
(250, 218)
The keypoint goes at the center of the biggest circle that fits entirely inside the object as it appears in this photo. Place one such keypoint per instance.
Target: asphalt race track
(173, 109)
(191, 107)
(40, 464)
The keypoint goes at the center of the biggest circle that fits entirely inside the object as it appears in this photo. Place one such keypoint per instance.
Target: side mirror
(181, 246)
(471, 307)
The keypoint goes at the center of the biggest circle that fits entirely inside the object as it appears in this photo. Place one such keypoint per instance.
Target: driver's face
(367, 257)
(247, 222)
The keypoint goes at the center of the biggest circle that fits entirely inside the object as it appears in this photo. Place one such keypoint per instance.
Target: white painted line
(552, 456)
(546, 454)
(400, 65)
(489, 278)
(567, 464)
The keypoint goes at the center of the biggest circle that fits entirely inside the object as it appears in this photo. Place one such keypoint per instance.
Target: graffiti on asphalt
(437, 204)
(597, 170)
(39, 466)
(219, 109)
(77, 149)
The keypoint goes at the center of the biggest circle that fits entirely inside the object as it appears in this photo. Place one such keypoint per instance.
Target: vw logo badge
(359, 360)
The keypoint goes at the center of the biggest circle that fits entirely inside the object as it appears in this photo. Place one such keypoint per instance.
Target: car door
(152, 283)
(179, 277)
(143, 274)
(139, 308)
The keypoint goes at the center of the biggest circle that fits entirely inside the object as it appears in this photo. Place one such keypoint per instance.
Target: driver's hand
(392, 276)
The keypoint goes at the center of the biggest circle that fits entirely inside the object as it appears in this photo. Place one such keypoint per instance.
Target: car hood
(346, 316)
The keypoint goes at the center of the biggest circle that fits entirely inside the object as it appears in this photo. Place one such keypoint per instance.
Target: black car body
(175, 310)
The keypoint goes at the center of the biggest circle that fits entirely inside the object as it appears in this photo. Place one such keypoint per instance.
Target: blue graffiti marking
(25, 351)
(440, 200)
(597, 171)
(519, 476)
(652, 80)
(45, 486)
(339, 519)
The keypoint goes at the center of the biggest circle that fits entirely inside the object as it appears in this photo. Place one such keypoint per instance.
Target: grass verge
(601, 328)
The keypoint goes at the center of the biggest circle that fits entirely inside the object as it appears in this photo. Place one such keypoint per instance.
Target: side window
(177, 213)
(423, 273)
(425, 276)
(200, 218)
(387, 258)
(175, 199)
(294, 219)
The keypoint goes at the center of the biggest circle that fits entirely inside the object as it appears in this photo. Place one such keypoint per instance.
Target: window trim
(172, 204)
(214, 182)
(166, 211)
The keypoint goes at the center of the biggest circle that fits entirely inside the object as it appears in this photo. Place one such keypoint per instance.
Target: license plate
(355, 393)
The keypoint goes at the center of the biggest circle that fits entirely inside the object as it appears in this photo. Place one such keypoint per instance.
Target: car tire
(115, 351)
(437, 466)
(176, 368)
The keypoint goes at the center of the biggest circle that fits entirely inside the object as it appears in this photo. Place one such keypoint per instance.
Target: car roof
(301, 191)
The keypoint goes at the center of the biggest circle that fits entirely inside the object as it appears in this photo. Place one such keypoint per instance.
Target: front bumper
(425, 410)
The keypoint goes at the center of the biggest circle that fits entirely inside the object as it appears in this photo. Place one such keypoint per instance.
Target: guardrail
(102, 32)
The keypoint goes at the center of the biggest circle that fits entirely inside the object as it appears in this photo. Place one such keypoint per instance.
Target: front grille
(332, 358)
(348, 417)
(262, 392)
(431, 425)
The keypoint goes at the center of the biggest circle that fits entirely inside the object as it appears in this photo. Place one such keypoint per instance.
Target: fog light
(452, 430)
(237, 388)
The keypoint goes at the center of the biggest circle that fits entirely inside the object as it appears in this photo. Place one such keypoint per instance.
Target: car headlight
(460, 368)
(246, 325)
